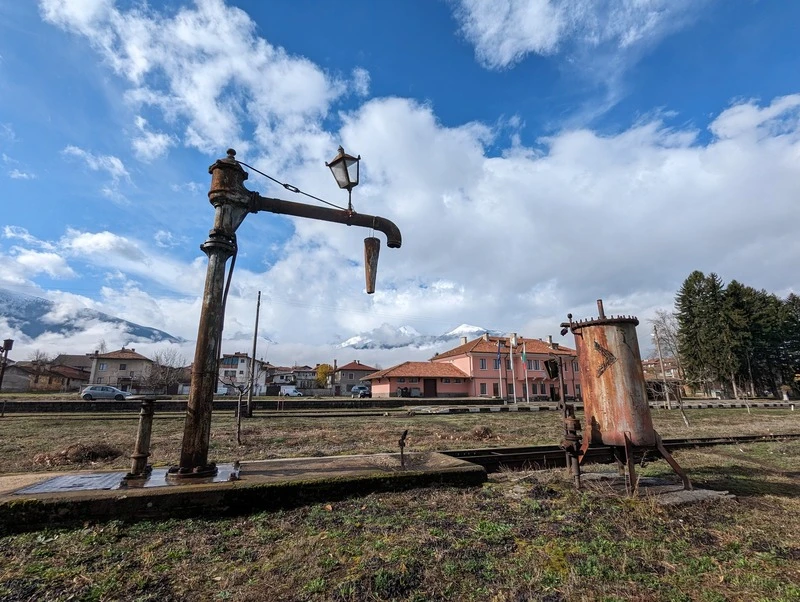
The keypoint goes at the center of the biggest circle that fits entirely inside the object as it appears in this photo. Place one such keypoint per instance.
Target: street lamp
(8, 345)
(345, 170)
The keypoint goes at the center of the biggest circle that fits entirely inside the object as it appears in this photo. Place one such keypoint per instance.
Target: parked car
(291, 393)
(103, 392)
(360, 391)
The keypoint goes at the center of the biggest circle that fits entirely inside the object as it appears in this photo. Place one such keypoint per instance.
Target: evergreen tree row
(735, 337)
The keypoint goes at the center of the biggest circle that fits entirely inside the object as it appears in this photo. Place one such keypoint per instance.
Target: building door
(429, 387)
(553, 393)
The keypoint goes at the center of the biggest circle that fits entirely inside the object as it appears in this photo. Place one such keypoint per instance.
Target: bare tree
(241, 389)
(39, 357)
(666, 324)
(101, 346)
(165, 372)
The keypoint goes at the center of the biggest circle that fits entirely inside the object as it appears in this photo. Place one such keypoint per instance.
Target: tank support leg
(687, 485)
(632, 482)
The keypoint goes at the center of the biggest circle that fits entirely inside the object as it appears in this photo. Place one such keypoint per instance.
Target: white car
(103, 392)
(292, 393)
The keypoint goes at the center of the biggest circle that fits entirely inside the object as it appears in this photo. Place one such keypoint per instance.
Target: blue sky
(537, 155)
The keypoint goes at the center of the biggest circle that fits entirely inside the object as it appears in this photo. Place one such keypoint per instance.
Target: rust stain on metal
(609, 359)
(372, 248)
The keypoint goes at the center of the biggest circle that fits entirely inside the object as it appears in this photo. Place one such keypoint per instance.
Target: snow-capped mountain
(34, 316)
(387, 336)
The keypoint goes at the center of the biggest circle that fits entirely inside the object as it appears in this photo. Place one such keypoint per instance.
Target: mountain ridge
(387, 336)
(34, 316)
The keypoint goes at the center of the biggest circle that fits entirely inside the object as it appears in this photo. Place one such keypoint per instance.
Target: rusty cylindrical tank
(614, 390)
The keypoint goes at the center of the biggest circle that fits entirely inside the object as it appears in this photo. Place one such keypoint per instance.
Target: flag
(498, 350)
(524, 356)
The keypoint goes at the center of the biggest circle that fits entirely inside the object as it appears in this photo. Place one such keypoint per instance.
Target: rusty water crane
(232, 203)
(616, 410)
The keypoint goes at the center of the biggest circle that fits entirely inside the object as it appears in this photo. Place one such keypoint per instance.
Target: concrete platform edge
(33, 512)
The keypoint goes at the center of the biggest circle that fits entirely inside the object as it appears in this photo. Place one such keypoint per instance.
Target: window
(446, 380)
(565, 391)
(510, 388)
(577, 390)
(483, 388)
(123, 367)
(508, 364)
(229, 373)
(483, 364)
(413, 379)
(99, 379)
(401, 380)
(574, 366)
(495, 389)
(565, 365)
(457, 380)
(132, 373)
(496, 364)
(102, 366)
(536, 365)
(542, 389)
(242, 360)
(350, 376)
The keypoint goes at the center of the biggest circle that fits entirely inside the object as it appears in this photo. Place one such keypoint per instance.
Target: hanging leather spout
(372, 248)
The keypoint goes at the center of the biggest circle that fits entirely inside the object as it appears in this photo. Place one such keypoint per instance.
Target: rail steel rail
(542, 457)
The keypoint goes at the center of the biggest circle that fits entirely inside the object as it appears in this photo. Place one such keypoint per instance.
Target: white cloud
(36, 262)
(220, 77)
(148, 145)
(505, 31)
(16, 174)
(16, 232)
(7, 133)
(361, 81)
(110, 164)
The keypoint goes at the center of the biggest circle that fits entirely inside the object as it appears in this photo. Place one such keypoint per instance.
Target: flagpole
(500, 373)
(527, 382)
(512, 341)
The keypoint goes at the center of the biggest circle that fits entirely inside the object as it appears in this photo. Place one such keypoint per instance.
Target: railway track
(542, 457)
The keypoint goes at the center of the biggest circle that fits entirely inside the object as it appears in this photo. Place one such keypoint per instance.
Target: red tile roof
(479, 345)
(419, 369)
(70, 372)
(356, 366)
(123, 354)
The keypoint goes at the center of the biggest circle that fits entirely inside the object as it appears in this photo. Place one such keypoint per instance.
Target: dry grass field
(522, 536)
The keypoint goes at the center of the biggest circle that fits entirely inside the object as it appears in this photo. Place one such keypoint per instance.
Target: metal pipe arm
(393, 237)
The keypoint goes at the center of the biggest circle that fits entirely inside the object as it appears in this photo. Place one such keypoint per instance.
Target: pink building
(420, 379)
(486, 367)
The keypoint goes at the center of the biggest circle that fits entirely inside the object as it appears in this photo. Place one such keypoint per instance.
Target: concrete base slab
(28, 501)
(666, 492)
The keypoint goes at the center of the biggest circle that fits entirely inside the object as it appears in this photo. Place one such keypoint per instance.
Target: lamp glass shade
(345, 169)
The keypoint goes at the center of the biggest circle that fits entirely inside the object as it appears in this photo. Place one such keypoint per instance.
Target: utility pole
(232, 202)
(512, 341)
(661, 363)
(253, 362)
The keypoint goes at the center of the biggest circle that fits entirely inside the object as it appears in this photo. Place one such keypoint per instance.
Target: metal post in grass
(8, 344)
(140, 469)
(402, 444)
